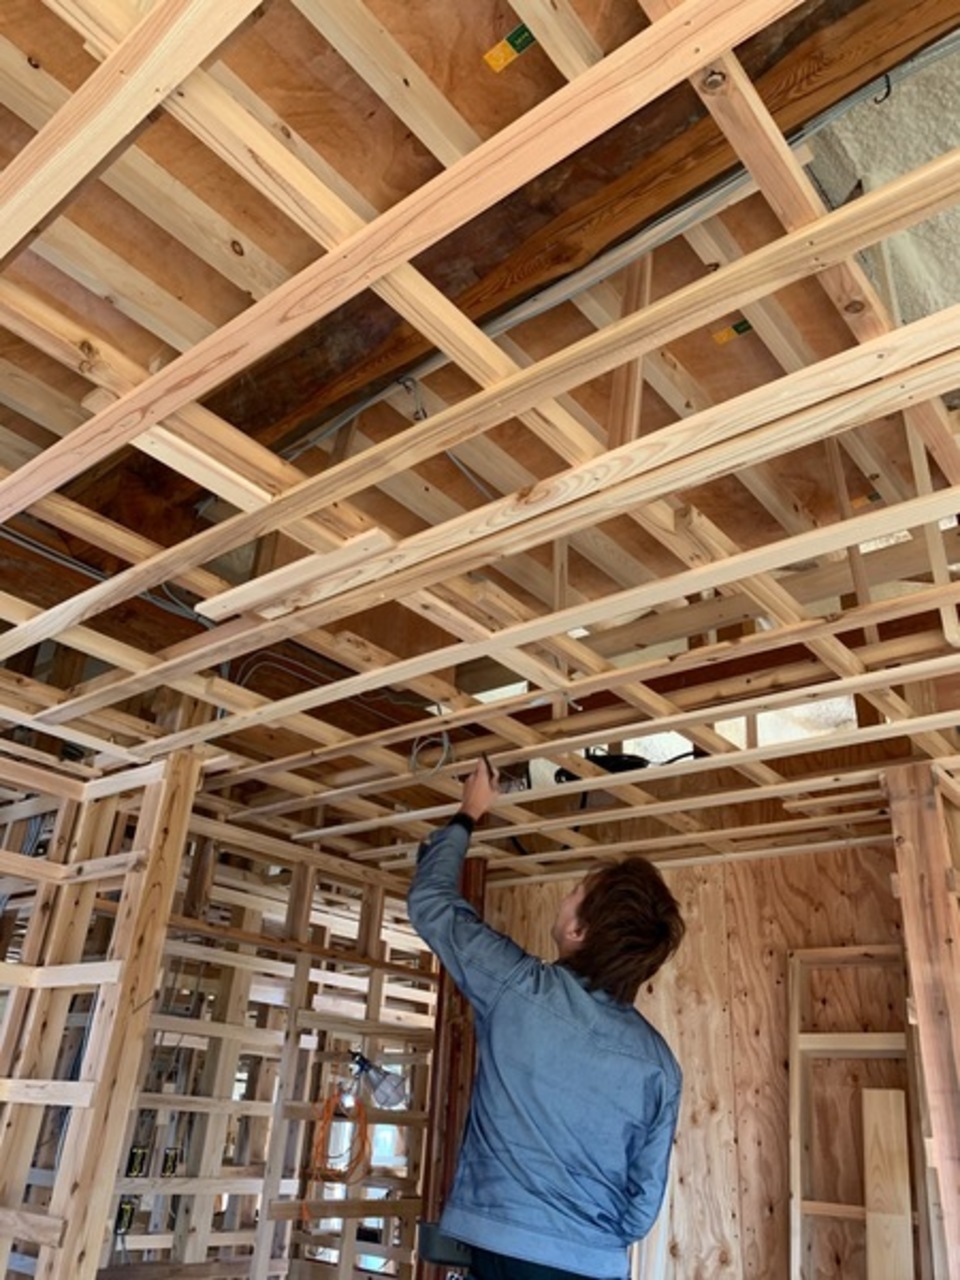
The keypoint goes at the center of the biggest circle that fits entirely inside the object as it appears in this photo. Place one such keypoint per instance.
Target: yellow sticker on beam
(732, 331)
(509, 48)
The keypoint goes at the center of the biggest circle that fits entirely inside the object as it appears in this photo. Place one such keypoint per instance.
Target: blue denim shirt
(565, 1155)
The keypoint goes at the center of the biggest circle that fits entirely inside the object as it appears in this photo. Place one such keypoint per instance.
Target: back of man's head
(632, 925)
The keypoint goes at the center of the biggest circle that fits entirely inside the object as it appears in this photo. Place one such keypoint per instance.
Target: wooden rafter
(575, 552)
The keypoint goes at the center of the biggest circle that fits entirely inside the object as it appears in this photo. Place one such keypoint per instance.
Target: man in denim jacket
(565, 1155)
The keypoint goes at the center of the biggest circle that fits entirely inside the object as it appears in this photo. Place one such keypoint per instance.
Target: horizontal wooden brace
(89, 973)
(47, 1093)
(227, 1186)
(853, 1044)
(380, 1030)
(294, 1210)
(31, 1227)
(252, 1037)
(206, 1106)
(824, 1209)
(822, 957)
(41, 871)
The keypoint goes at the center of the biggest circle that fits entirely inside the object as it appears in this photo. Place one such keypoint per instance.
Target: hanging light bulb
(386, 1087)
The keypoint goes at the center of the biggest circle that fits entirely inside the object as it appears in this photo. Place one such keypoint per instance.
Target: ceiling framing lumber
(174, 37)
(889, 209)
(569, 119)
(710, 479)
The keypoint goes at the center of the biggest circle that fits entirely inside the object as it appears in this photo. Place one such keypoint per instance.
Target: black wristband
(464, 820)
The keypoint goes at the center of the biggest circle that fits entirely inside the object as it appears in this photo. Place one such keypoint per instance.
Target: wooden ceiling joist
(574, 499)
(621, 84)
(567, 369)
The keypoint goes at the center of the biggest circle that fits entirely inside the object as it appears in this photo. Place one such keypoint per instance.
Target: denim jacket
(574, 1107)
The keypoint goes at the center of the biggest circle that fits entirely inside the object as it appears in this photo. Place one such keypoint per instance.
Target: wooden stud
(931, 922)
(270, 1239)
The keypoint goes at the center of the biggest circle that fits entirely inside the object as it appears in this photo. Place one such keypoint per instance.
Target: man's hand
(480, 789)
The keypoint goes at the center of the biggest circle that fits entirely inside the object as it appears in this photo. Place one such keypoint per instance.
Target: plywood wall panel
(759, 1012)
(845, 998)
(836, 1250)
(690, 1003)
(527, 912)
(722, 1004)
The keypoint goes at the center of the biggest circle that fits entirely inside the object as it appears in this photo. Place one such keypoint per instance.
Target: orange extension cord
(357, 1154)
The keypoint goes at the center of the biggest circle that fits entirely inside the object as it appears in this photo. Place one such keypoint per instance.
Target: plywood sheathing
(744, 546)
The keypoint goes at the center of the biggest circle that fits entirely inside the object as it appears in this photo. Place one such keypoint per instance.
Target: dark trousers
(496, 1266)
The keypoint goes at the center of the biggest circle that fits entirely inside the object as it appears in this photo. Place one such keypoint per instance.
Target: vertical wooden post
(369, 943)
(925, 1179)
(83, 1190)
(931, 926)
(798, 1111)
(451, 1080)
(626, 396)
(298, 927)
(200, 878)
(254, 1133)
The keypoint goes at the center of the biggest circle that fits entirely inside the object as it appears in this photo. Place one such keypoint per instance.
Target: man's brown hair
(632, 924)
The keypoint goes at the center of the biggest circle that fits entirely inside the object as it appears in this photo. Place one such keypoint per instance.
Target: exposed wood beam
(761, 560)
(833, 238)
(622, 83)
(173, 38)
(563, 34)
(650, 669)
(817, 75)
(735, 104)
(247, 637)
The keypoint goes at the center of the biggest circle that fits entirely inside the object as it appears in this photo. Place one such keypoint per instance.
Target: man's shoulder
(639, 1039)
(665, 1057)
